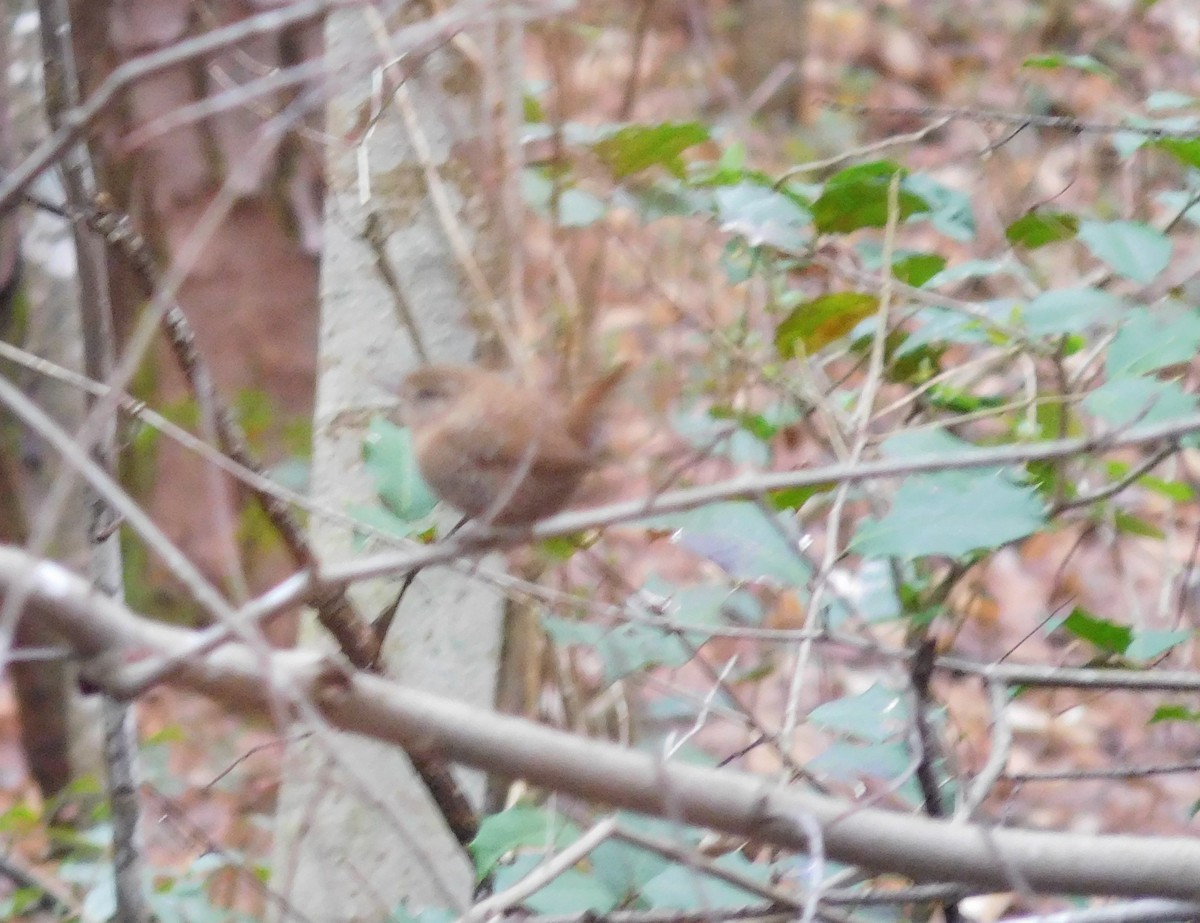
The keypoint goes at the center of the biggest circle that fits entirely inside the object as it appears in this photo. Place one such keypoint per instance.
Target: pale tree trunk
(357, 831)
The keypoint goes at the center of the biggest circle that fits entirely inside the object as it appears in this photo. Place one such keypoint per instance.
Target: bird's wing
(515, 437)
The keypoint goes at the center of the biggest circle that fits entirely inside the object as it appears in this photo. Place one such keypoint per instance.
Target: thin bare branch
(923, 849)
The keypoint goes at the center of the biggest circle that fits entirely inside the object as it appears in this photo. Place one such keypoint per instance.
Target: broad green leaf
(911, 443)
(817, 323)
(946, 397)
(763, 425)
(1177, 200)
(857, 198)
(951, 513)
(1175, 713)
(878, 600)
(912, 267)
(739, 539)
(1038, 228)
(388, 456)
(937, 327)
(576, 208)
(1135, 525)
(376, 517)
(1169, 99)
(1124, 400)
(1071, 310)
(1079, 62)
(1133, 249)
(949, 210)
(571, 892)
(1149, 643)
(916, 269)
(764, 217)
(875, 715)
(705, 605)
(1176, 491)
(666, 199)
(1186, 151)
(100, 902)
(625, 649)
(1101, 633)
(792, 498)
(682, 888)
(715, 436)
(624, 868)
(974, 269)
(634, 148)
(514, 828)
(1150, 340)
(849, 761)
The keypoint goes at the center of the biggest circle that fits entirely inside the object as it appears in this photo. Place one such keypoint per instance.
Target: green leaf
(973, 269)
(947, 397)
(1150, 340)
(706, 605)
(571, 892)
(1175, 713)
(764, 217)
(100, 903)
(817, 323)
(1124, 400)
(1038, 228)
(1101, 633)
(739, 539)
(1186, 151)
(1071, 310)
(680, 887)
(712, 435)
(1131, 248)
(792, 498)
(666, 199)
(514, 828)
(576, 208)
(1175, 491)
(911, 443)
(950, 210)
(951, 513)
(376, 517)
(1169, 99)
(857, 197)
(1135, 525)
(1178, 201)
(1149, 643)
(388, 455)
(634, 148)
(623, 868)
(579, 209)
(879, 600)
(848, 761)
(916, 269)
(876, 715)
(1079, 62)
(624, 650)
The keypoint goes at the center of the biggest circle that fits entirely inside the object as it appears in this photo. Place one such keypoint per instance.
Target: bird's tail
(585, 409)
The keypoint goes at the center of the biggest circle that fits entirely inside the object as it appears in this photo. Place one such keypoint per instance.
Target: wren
(502, 453)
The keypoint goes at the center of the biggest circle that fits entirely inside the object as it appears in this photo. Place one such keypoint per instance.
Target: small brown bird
(504, 454)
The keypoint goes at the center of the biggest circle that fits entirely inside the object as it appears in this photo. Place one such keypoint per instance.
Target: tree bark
(354, 848)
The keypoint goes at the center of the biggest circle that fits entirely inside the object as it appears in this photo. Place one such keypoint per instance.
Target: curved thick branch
(112, 641)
